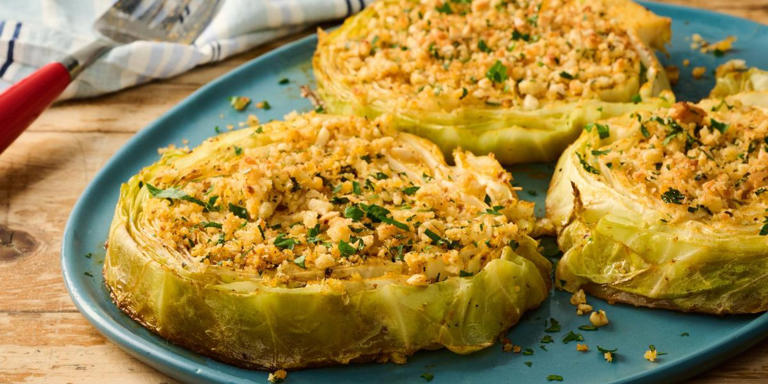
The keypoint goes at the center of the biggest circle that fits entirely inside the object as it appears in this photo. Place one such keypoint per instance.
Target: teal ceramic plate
(692, 342)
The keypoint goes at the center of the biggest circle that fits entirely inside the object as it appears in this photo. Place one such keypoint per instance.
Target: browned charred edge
(380, 357)
(613, 295)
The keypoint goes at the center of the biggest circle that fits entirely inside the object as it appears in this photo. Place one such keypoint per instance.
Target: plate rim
(186, 369)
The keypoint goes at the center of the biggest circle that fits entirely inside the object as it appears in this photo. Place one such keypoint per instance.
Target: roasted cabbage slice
(516, 78)
(669, 209)
(323, 240)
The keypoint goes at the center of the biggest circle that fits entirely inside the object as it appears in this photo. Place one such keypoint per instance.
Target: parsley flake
(572, 336)
(345, 249)
(722, 127)
(497, 73)
(300, 261)
(482, 46)
(672, 196)
(444, 8)
(554, 326)
(283, 242)
(239, 211)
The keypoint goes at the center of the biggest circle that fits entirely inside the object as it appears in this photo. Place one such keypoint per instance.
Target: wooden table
(43, 338)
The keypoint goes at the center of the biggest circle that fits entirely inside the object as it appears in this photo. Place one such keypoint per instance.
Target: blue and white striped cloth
(36, 32)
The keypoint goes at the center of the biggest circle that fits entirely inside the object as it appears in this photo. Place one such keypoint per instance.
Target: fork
(178, 21)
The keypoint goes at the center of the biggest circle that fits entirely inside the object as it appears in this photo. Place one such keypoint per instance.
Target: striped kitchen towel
(36, 32)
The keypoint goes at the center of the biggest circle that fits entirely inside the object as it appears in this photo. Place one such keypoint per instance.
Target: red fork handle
(23, 102)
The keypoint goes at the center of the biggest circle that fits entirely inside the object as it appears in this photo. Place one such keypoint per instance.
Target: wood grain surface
(43, 339)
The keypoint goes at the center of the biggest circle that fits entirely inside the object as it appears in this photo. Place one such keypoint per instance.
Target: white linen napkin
(36, 32)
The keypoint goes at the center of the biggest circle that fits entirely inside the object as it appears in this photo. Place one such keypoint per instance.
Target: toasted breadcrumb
(583, 309)
(650, 355)
(686, 63)
(277, 376)
(698, 72)
(579, 298)
(598, 318)
(417, 280)
(719, 47)
(582, 348)
(608, 357)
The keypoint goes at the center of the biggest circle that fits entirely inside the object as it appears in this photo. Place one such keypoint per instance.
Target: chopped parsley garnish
(345, 249)
(283, 81)
(587, 167)
(637, 98)
(497, 73)
(463, 273)
(88, 255)
(239, 211)
(653, 349)
(554, 326)
(566, 75)
(239, 103)
(606, 350)
(427, 376)
(588, 328)
(595, 152)
(410, 191)
(722, 127)
(178, 194)
(764, 229)
(380, 214)
(603, 130)
(513, 244)
(520, 36)
(300, 261)
(238, 150)
(672, 196)
(482, 46)
(572, 336)
(547, 339)
(356, 188)
(554, 378)
(644, 131)
(210, 224)
(437, 240)
(353, 212)
(464, 93)
(494, 210)
(444, 8)
(312, 234)
(283, 242)
(366, 158)
(380, 176)
(88, 274)
(684, 334)
(265, 105)
(528, 352)
(339, 200)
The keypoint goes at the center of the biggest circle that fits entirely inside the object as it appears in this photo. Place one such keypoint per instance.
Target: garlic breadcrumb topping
(705, 162)
(442, 53)
(315, 195)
